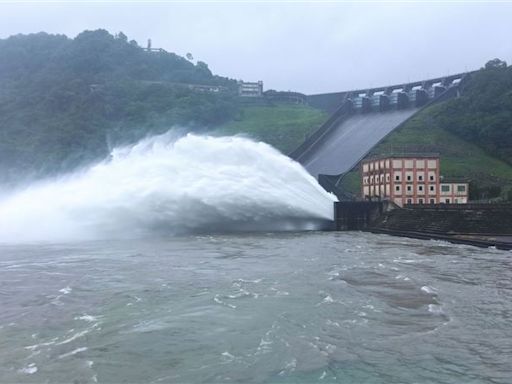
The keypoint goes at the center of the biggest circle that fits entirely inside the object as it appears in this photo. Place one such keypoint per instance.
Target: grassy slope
(458, 157)
(283, 126)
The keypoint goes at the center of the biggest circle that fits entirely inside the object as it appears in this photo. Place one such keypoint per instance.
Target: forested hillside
(483, 114)
(64, 101)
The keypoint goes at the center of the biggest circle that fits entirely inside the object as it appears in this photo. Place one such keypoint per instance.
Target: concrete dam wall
(361, 119)
(482, 225)
(351, 140)
(482, 219)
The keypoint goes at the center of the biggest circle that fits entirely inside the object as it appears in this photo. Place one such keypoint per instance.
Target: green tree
(495, 63)
(65, 102)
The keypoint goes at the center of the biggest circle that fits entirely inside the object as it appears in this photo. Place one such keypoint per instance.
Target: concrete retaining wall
(481, 219)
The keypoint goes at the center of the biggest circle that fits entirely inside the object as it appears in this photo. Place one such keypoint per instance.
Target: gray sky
(308, 47)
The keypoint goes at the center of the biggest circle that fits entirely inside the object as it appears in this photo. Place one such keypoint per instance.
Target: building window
(431, 177)
(447, 201)
(432, 201)
(461, 188)
(431, 188)
(409, 188)
(409, 201)
(397, 188)
(420, 188)
(445, 188)
(420, 201)
(409, 178)
(456, 201)
(387, 178)
(397, 177)
(420, 177)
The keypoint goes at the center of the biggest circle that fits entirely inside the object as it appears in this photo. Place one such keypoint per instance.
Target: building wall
(403, 180)
(250, 89)
(454, 193)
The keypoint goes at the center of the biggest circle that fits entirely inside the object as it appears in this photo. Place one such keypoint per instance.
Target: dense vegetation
(483, 114)
(65, 101)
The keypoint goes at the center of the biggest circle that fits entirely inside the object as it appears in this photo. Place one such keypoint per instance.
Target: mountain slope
(64, 102)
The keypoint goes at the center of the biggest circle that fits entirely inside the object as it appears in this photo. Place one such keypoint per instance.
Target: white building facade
(247, 89)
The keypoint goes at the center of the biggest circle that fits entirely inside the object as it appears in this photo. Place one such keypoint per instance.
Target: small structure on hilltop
(248, 89)
(410, 179)
(150, 49)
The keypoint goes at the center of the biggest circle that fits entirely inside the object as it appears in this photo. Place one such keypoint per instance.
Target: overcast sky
(308, 47)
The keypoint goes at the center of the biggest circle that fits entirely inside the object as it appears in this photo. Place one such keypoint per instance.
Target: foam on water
(172, 185)
(87, 318)
(429, 290)
(73, 352)
(435, 309)
(74, 337)
(29, 369)
(65, 290)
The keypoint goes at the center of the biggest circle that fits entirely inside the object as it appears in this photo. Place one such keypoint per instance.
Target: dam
(360, 119)
(351, 140)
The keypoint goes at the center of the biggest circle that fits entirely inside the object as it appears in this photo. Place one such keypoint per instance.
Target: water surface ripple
(287, 307)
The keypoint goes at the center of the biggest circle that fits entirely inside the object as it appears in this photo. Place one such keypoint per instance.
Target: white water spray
(192, 184)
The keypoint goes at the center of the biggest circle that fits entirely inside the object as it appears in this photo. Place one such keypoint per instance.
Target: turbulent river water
(270, 307)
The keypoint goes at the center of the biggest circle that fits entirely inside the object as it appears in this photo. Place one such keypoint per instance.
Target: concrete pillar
(446, 82)
(366, 105)
(383, 103)
(402, 101)
(421, 97)
(350, 105)
(438, 90)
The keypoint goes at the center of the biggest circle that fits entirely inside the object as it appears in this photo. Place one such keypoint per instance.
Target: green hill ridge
(64, 102)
